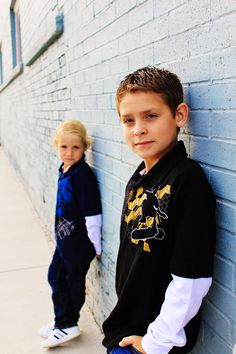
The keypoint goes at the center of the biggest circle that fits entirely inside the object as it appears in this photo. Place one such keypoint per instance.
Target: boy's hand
(135, 341)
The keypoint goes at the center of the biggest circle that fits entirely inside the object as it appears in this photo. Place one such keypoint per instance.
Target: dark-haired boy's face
(149, 127)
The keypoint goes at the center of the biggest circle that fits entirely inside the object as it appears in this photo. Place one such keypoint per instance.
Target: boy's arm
(182, 301)
(93, 225)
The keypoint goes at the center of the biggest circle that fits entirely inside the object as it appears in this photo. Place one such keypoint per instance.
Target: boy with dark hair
(167, 240)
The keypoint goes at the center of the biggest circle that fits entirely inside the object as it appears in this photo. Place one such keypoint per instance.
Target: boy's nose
(69, 152)
(139, 129)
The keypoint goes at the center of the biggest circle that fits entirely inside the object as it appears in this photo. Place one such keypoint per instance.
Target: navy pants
(130, 350)
(66, 276)
(123, 350)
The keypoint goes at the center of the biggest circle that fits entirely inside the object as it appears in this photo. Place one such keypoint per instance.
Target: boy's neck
(65, 169)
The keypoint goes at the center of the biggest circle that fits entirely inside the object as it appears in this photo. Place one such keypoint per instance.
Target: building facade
(63, 59)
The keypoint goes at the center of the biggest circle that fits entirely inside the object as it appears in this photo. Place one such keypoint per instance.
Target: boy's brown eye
(128, 120)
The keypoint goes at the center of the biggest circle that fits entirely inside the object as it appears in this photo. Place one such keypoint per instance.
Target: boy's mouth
(143, 143)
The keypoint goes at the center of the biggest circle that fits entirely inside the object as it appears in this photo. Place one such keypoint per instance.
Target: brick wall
(76, 77)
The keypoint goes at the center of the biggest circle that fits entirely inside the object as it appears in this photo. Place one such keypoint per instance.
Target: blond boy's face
(149, 127)
(70, 149)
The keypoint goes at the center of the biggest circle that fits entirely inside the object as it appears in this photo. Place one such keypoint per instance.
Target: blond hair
(74, 127)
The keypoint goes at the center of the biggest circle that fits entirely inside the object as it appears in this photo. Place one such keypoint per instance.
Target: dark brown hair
(153, 79)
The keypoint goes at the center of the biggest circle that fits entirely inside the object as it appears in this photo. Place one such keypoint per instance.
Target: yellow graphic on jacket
(145, 213)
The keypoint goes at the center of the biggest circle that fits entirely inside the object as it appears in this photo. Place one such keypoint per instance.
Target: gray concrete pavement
(25, 300)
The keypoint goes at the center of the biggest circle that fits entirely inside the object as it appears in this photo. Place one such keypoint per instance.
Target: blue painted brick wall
(77, 76)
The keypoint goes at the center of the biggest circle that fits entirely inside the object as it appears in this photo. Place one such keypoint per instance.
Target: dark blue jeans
(125, 350)
(130, 350)
(66, 276)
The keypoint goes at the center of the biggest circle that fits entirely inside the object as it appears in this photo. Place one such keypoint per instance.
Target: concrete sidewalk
(25, 300)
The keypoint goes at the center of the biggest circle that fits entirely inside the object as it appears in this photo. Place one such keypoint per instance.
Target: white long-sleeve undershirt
(93, 224)
(183, 299)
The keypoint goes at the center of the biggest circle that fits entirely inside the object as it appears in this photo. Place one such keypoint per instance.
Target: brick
(224, 272)
(213, 36)
(225, 300)
(129, 42)
(100, 5)
(196, 69)
(155, 28)
(163, 6)
(234, 338)
(123, 7)
(104, 161)
(213, 152)
(219, 8)
(112, 183)
(104, 101)
(142, 57)
(224, 185)
(175, 48)
(212, 315)
(119, 64)
(198, 123)
(223, 64)
(218, 96)
(226, 215)
(117, 201)
(142, 14)
(117, 134)
(107, 17)
(110, 50)
(226, 245)
(115, 30)
(184, 17)
(213, 344)
(129, 157)
(124, 173)
(110, 84)
(88, 45)
(220, 119)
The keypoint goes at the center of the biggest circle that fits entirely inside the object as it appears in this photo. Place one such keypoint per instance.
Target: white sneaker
(45, 331)
(59, 336)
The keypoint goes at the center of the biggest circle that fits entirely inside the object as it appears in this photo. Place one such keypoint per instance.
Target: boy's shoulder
(191, 167)
(188, 166)
(83, 170)
(190, 175)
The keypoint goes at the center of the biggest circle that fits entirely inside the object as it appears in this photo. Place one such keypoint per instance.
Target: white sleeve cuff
(183, 299)
(93, 225)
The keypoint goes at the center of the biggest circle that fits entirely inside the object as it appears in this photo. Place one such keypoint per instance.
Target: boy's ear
(181, 115)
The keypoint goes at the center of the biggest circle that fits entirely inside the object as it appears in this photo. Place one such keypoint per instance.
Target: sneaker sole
(61, 341)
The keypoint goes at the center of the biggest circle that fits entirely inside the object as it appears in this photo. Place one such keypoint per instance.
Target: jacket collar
(82, 160)
(162, 167)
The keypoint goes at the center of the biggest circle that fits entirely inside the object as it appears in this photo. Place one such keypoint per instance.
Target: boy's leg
(57, 278)
(76, 265)
(76, 283)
